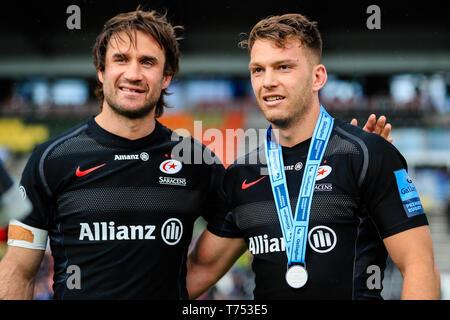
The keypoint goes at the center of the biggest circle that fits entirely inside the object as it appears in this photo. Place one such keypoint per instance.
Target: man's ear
(166, 81)
(100, 75)
(320, 77)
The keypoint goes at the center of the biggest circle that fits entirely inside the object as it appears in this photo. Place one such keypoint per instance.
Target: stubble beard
(139, 113)
(298, 113)
(112, 99)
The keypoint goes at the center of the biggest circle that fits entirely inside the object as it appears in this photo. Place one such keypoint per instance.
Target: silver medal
(296, 276)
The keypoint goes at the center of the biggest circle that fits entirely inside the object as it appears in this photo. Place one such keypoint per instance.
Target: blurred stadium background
(402, 71)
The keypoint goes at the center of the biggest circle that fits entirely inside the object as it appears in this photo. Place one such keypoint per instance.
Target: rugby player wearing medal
(325, 202)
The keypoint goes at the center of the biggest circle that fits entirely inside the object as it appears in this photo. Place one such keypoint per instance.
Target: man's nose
(270, 79)
(133, 72)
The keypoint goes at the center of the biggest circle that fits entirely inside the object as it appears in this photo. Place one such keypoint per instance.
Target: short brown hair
(151, 23)
(280, 28)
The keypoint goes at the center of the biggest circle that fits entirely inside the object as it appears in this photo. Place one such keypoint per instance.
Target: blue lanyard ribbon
(295, 229)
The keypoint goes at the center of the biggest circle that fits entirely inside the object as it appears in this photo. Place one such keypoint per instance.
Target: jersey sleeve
(12, 203)
(388, 192)
(32, 185)
(225, 225)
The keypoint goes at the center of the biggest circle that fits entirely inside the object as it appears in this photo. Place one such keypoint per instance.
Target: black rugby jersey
(356, 203)
(121, 210)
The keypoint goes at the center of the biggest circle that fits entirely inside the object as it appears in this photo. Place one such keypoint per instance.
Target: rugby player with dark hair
(116, 204)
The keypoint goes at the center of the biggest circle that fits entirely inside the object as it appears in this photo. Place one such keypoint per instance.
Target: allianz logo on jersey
(297, 167)
(321, 239)
(262, 244)
(143, 156)
(171, 231)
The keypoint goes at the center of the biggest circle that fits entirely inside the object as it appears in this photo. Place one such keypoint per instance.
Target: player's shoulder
(165, 132)
(254, 158)
(44, 149)
(369, 143)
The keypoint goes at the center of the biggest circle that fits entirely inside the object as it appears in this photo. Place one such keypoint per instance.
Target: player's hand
(379, 126)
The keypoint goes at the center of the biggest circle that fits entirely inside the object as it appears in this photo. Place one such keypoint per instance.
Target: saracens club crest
(323, 172)
(170, 166)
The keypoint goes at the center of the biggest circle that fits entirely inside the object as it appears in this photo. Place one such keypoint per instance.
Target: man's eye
(256, 70)
(147, 63)
(285, 67)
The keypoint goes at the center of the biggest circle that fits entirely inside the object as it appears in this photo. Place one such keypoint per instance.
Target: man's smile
(273, 99)
(131, 89)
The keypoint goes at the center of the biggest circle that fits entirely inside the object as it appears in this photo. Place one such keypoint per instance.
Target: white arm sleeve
(22, 235)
